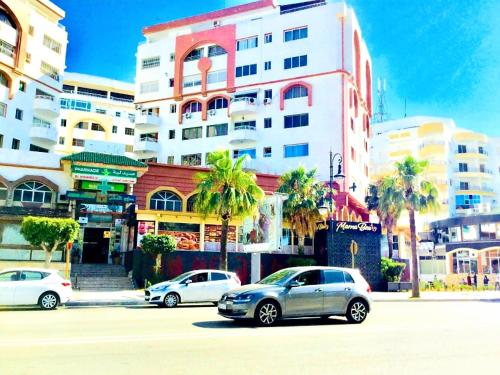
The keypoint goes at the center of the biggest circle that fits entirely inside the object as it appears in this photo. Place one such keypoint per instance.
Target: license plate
(222, 306)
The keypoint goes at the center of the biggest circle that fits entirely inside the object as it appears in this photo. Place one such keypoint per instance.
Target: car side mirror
(295, 283)
(188, 281)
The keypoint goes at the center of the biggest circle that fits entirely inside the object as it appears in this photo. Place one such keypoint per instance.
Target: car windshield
(278, 278)
(181, 276)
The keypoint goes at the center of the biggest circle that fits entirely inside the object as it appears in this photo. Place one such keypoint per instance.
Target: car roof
(209, 270)
(46, 270)
(311, 268)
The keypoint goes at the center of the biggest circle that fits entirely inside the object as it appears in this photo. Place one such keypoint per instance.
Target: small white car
(193, 286)
(33, 286)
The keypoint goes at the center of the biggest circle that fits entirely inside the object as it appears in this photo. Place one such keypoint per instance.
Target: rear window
(348, 278)
(333, 276)
(32, 275)
(216, 276)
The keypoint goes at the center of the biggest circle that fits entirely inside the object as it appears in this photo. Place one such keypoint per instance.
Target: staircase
(100, 277)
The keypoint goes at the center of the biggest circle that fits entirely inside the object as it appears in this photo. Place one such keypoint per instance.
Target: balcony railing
(474, 170)
(471, 151)
(46, 97)
(431, 143)
(292, 9)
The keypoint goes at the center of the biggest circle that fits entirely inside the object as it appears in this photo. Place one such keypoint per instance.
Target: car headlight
(243, 298)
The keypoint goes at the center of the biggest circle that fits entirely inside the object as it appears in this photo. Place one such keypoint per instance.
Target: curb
(492, 300)
(104, 303)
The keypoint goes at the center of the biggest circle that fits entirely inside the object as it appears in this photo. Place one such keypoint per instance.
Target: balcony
(243, 135)
(475, 171)
(147, 122)
(9, 34)
(146, 147)
(243, 106)
(43, 134)
(46, 106)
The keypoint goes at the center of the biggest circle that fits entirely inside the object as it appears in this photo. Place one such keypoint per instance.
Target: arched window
(217, 103)
(191, 107)
(3, 192)
(3, 80)
(297, 91)
(32, 191)
(216, 51)
(165, 201)
(6, 19)
(190, 203)
(97, 127)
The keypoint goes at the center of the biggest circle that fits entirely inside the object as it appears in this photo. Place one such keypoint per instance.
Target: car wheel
(267, 313)
(171, 300)
(48, 301)
(325, 317)
(357, 311)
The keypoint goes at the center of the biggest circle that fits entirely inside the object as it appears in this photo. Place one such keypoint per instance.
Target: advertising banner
(143, 228)
(187, 236)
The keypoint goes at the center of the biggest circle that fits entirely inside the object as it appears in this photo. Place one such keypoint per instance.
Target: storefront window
(464, 261)
(488, 231)
(10, 234)
(455, 234)
(470, 232)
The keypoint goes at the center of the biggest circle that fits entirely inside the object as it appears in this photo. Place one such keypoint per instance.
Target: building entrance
(95, 245)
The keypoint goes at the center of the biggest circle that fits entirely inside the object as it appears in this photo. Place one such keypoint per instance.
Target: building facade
(32, 60)
(283, 82)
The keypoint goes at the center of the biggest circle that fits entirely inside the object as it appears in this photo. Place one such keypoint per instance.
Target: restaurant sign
(80, 172)
(350, 227)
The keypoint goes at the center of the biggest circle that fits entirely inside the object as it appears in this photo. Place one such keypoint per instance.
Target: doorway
(95, 246)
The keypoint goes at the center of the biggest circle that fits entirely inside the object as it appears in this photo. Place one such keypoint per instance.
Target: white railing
(148, 139)
(37, 123)
(244, 127)
(46, 97)
(296, 9)
(246, 99)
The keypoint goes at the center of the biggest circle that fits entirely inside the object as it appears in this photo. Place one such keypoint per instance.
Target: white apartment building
(32, 59)
(284, 82)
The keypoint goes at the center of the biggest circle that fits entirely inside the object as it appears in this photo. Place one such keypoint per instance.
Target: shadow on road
(248, 323)
(23, 308)
(187, 306)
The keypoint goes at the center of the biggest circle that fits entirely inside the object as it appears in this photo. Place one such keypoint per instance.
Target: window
(22, 86)
(217, 76)
(148, 87)
(267, 152)
(78, 105)
(246, 70)
(3, 80)
(192, 81)
(191, 133)
(171, 134)
(292, 151)
(199, 277)
(216, 51)
(467, 201)
(191, 159)
(16, 143)
(119, 97)
(9, 276)
(348, 278)
(172, 57)
(333, 277)
(462, 149)
(61, 140)
(295, 121)
(480, 149)
(170, 159)
(49, 70)
(464, 185)
(353, 154)
(1, 140)
(245, 125)
(462, 167)
(82, 125)
(151, 62)
(294, 34)
(51, 44)
(19, 114)
(129, 148)
(296, 92)
(195, 54)
(3, 109)
(78, 142)
(268, 123)
(191, 107)
(173, 108)
(32, 191)
(247, 43)
(28, 58)
(97, 127)
(218, 276)
(309, 278)
(171, 82)
(129, 131)
(268, 38)
(295, 62)
(268, 94)
(92, 92)
(38, 148)
(7, 48)
(148, 137)
(31, 30)
(100, 111)
(217, 130)
(118, 114)
(165, 201)
(32, 275)
(267, 65)
(217, 103)
(246, 151)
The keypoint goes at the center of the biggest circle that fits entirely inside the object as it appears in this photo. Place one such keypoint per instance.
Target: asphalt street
(397, 337)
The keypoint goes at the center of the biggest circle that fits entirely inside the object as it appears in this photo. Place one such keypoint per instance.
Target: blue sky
(442, 56)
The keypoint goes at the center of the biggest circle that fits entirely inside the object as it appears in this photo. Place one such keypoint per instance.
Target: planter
(398, 286)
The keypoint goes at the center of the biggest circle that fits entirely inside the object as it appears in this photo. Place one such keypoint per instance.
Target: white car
(33, 286)
(193, 286)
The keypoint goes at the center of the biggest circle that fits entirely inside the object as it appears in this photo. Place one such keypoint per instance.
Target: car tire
(215, 303)
(48, 301)
(171, 300)
(324, 317)
(267, 313)
(357, 311)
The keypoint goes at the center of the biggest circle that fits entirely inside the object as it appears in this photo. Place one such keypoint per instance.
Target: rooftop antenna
(381, 115)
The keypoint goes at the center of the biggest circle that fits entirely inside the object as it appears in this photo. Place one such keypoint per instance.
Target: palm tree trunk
(223, 245)
(415, 288)
(300, 249)
(390, 241)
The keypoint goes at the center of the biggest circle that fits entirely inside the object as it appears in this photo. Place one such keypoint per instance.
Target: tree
(226, 191)
(419, 196)
(49, 233)
(386, 198)
(158, 245)
(300, 209)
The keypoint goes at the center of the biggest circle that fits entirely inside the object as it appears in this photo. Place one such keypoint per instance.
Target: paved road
(399, 338)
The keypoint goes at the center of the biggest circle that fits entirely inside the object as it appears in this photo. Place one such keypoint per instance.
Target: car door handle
(347, 289)
(318, 290)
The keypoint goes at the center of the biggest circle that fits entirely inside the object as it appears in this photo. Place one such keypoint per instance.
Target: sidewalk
(107, 298)
(485, 296)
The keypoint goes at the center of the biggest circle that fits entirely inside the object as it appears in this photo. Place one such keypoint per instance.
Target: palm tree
(300, 209)
(386, 198)
(226, 191)
(419, 196)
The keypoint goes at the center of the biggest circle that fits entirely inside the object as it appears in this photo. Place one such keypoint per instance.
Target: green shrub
(391, 270)
(301, 262)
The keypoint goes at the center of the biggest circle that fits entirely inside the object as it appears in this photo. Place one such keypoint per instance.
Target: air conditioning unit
(211, 112)
(138, 107)
(267, 101)
(187, 115)
(217, 23)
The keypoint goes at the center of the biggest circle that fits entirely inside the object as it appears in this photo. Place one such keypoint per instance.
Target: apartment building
(284, 82)
(32, 59)
(97, 114)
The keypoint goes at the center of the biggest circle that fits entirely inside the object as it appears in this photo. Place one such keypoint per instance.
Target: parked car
(300, 292)
(193, 286)
(33, 286)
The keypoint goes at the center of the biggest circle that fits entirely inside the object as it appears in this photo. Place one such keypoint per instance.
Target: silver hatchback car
(300, 292)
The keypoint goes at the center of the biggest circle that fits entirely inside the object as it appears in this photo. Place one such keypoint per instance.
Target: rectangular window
(19, 114)
(295, 62)
(37, 149)
(245, 125)
(51, 44)
(192, 81)
(293, 151)
(352, 124)
(268, 123)
(173, 108)
(170, 159)
(217, 76)
(148, 87)
(28, 58)
(268, 38)
(129, 131)
(151, 62)
(246, 70)
(267, 65)
(267, 153)
(462, 149)
(172, 57)
(268, 94)
(191, 159)
(7, 48)
(100, 111)
(92, 92)
(295, 121)
(31, 30)
(16, 143)
(63, 122)
(294, 34)
(171, 82)
(1, 140)
(245, 151)
(480, 149)
(78, 105)
(49, 70)
(114, 129)
(464, 185)
(22, 86)
(61, 140)
(482, 168)
(462, 167)
(129, 148)
(171, 134)
(195, 54)
(247, 43)
(78, 142)
(216, 51)
(3, 109)
(217, 130)
(353, 154)
(191, 133)
(118, 114)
